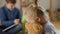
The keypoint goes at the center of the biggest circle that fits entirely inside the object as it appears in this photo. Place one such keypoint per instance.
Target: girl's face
(38, 19)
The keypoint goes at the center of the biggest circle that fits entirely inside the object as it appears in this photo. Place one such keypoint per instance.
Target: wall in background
(2, 2)
(55, 4)
(18, 4)
(46, 4)
(59, 3)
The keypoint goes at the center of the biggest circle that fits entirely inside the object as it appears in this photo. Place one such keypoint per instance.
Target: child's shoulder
(49, 24)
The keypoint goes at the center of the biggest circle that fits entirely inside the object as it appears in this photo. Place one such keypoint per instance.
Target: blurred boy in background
(10, 15)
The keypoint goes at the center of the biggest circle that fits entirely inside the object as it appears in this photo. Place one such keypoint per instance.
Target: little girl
(48, 26)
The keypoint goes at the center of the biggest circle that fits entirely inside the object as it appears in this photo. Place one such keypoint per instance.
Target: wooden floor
(57, 24)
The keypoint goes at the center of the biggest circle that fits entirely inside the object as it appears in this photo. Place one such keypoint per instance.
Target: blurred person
(49, 28)
(10, 15)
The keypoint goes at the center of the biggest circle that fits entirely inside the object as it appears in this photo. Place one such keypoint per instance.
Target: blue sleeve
(3, 20)
(20, 15)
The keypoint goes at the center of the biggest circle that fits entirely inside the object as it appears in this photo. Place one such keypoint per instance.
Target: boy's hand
(16, 21)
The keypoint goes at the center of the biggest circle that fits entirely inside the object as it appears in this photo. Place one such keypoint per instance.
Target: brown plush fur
(34, 28)
(29, 10)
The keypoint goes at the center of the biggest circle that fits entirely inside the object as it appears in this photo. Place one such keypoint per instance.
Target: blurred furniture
(51, 11)
(58, 14)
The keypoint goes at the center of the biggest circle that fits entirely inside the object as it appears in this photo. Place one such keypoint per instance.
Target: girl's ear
(37, 19)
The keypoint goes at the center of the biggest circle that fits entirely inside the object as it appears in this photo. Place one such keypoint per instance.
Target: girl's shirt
(49, 28)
